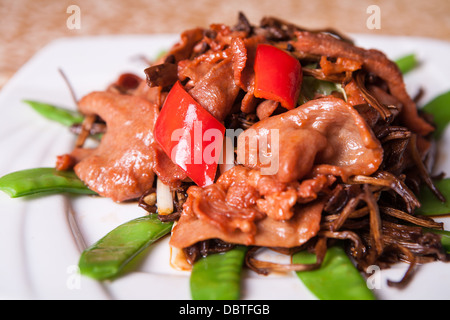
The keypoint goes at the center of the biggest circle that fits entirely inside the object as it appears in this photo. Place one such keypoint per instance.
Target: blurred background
(28, 25)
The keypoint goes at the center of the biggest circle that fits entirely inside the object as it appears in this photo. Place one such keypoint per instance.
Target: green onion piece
(407, 63)
(218, 276)
(336, 279)
(430, 204)
(58, 114)
(108, 256)
(439, 107)
(42, 181)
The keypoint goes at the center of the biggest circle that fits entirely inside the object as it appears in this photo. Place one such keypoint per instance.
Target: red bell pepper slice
(190, 135)
(278, 75)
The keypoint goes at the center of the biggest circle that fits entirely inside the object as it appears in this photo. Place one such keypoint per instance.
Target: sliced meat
(197, 68)
(266, 108)
(325, 135)
(246, 207)
(162, 75)
(269, 232)
(166, 170)
(373, 61)
(244, 53)
(121, 166)
(341, 65)
(189, 38)
(216, 91)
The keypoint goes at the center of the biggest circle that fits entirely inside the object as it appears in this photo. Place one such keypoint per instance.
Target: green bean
(42, 181)
(218, 276)
(439, 107)
(108, 256)
(336, 279)
(432, 206)
(58, 114)
(407, 63)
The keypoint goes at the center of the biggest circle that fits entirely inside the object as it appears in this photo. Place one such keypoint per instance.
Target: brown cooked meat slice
(325, 135)
(121, 166)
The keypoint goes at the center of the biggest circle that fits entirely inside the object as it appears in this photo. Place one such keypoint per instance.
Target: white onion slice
(164, 198)
(178, 259)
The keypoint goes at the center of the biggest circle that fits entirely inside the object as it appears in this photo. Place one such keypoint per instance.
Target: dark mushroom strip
(148, 201)
(243, 24)
(358, 247)
(400, 188)
(411, 259)
(388, 133)
(162, 75)
(205, 248)
(337, 199)
(384, 111)
(423, 172)
(350, 221)
(375, 220)
(386, 179)
(346, 212)
(396, 158)
(169, 217)
(420, 221)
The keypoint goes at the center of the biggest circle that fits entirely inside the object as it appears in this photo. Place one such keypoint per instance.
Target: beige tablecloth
(28, 25)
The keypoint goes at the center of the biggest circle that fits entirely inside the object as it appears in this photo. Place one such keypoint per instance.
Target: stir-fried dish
(267, 136)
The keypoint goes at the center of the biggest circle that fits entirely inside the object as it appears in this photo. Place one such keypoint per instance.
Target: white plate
(39, 242)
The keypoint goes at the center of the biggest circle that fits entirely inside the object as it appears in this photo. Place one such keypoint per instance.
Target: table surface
(26, 26)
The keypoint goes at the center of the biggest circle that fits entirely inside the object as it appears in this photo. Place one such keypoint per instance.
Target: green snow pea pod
(109, 255)
(42, 181)
(58, 114)
(218, 276)
(407, 63)
(336, 279)
(439, 107)
(432, 206)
